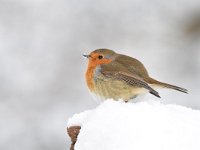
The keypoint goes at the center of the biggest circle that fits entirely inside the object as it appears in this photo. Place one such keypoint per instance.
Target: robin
(117, 76)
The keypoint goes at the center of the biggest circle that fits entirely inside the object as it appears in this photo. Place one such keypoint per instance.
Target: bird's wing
(130, 79)
(132, 65)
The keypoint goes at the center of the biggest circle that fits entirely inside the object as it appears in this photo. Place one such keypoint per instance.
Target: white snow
(138, 126)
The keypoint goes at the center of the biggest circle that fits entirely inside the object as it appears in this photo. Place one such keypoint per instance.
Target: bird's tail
(165, 85)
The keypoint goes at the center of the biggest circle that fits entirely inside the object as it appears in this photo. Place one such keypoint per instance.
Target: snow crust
(115, 125)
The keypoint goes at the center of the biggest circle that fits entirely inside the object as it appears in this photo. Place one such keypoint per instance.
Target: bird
(111, 75)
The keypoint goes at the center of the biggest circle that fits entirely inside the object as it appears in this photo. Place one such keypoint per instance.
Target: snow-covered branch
(137, 126)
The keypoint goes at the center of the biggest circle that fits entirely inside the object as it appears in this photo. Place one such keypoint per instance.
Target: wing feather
(131, 80)
(132, 65)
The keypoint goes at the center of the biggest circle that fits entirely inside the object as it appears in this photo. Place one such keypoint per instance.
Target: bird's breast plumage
(90, 78)
(92, 75)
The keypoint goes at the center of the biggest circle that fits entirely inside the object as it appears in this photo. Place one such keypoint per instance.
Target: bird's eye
(100, 56)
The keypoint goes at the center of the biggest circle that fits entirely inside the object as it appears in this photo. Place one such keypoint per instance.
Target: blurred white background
(42, 68)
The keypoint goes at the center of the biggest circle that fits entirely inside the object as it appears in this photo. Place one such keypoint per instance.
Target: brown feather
(165, 85)
(131, 80)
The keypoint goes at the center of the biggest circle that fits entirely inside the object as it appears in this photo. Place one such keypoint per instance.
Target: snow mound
(138, 126)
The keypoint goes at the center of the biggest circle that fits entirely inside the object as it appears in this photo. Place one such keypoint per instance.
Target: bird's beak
(87, 56)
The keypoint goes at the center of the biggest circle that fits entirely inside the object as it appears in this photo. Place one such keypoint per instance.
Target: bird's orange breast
(92, 65)
(90, 78)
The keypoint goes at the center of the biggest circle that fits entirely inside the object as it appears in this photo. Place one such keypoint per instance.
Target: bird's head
(100, 56)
